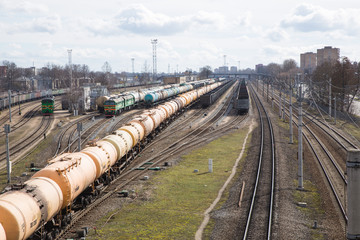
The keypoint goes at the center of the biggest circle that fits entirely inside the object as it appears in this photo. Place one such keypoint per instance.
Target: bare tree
(289, 64)
(205, 72)
(12, 72)
(85, 71)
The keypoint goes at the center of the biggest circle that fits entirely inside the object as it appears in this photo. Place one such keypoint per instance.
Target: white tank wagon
(70, 180)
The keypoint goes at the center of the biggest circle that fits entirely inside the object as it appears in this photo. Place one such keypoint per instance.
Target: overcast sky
(190, 34)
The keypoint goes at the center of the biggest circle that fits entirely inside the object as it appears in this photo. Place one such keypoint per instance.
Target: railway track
(324, 149)
(23, 109)
(25, 143)
(25, 119)
(62, 143)
(260, 210)
(131, 173)
(198, 115)
(14, 111)
(331, 131)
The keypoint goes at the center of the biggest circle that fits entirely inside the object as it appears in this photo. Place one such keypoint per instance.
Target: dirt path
(198, 235)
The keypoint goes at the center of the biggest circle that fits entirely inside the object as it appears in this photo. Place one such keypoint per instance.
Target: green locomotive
(114, 106)
(47, 106)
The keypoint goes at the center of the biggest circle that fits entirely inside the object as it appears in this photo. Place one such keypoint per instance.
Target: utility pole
(330, 98)
(9, 92)
(300, 146)
(79, 128)
(154, 42)
(8, 163)
(272, 95)
(267, 91)
(263, 87)
(280, 107)
(70, 70)
(335, 109)
(283, 106)
(19, 104)
(290, 117)
(133, 68)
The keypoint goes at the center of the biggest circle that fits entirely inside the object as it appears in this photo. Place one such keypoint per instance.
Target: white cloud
(15, 45)
(22, 7)
(270, 53)
(310, 18)
(49, 24)
(276, 35)
(244, 20)
(137, 19)
(140, 20)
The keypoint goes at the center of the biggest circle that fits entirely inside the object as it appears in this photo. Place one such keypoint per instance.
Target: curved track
(259, 220)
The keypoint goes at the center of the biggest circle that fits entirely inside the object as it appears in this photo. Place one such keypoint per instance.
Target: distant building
(308, 62)
(173, 80)
(260, 68)
(233, 69)
(327, 54)
(224, 69)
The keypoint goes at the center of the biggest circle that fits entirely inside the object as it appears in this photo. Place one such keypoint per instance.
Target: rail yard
(143, 135)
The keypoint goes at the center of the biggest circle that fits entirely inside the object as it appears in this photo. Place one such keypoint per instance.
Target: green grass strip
(178, 197)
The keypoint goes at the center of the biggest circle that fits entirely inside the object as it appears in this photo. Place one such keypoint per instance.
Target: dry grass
(178, 196)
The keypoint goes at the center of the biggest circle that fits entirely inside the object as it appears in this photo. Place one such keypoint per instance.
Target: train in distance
(242, 99)
(47, 106)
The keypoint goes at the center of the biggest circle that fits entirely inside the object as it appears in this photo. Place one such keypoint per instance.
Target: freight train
(46, 202)
(242, 99)
(212, 96)
(115, 104)
(17, 98)
(138, 97)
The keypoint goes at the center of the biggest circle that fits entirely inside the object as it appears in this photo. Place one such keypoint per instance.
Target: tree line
(340, 78)
(58, 76)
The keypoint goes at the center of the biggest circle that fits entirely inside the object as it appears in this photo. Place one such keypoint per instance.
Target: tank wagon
(17, 98)
(242, 99)
(137, 95)
(70, 181)
(115, 104)
(156, 96)
(212, 96)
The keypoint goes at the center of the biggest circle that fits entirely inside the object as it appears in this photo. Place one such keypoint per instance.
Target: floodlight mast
(154, 42)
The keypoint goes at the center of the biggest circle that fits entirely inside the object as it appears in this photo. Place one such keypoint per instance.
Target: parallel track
(335, 174)
(22, 145)
(259, 220)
